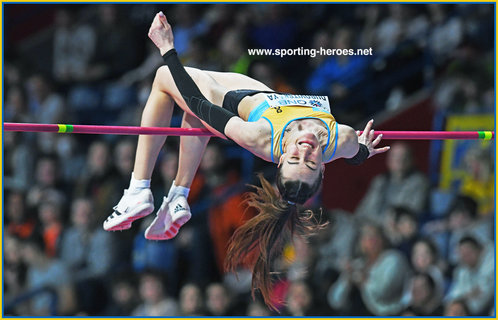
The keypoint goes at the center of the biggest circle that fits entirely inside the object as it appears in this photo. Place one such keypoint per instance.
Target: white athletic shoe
(131, 207)
(170, 217)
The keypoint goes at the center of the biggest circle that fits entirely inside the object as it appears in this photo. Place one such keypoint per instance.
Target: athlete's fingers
(377, 140)
(371, 135)
(368, 127)
(156, 24)
(163, 19)
(157, 21)
(381, 150)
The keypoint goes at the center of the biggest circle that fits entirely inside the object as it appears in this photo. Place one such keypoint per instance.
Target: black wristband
(360, 157)
(213, 115)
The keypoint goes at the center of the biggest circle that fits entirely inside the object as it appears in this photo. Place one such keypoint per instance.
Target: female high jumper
(296, 132)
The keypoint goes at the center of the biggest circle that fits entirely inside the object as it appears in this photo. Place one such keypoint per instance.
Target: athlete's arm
(215, 116)
(252, 136)
(349, 142)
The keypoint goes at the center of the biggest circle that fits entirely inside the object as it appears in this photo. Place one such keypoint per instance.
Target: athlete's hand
(161, 34)
(367, 138)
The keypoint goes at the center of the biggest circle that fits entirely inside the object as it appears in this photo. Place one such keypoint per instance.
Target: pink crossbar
(131, 130)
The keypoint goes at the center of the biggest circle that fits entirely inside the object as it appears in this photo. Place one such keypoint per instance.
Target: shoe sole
(164, 236)
(125, 221)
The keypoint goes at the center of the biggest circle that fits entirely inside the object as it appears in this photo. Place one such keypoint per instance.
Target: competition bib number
(320, 103)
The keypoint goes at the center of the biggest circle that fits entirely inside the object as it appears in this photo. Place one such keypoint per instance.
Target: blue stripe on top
(257, 112)
(271, 125)
(336, 139)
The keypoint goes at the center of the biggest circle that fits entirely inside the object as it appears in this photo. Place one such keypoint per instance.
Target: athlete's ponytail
(260, 240)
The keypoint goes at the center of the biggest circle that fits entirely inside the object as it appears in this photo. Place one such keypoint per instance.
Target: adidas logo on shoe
(169, 218)
(179, 207)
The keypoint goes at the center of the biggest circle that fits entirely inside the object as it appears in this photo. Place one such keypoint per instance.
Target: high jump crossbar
(133, 130)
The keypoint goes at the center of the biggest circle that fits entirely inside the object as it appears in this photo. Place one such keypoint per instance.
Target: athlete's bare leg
(191, 151)
(234, 81)
(158, 112)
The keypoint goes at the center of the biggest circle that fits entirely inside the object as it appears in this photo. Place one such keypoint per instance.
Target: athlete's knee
(163, 77)
(195, 74)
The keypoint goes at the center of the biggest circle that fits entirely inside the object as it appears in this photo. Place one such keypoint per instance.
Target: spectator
(218, 302)
(44, 272)
(18, 162)
(321, 39)
(456, 308)
(145, 70)
(47, 186)
(159, 256)
(191, 302)
(339, 77)
(372, 284)
(113, 34)
(124, 157)
(155, 301)
(16, 105)
(97, 180)
(300, 301)
(424, 255)
(273, 27)
(13, 74)
(224, 216)
(85, 248)
(46, 105)
(124, 297)
(168, 164)
(390, 30)
(257, 309)
(478, 183)
(88, 252)
(70, 158)
(18, 222)
(74, 46)
(425, 259)
(401, 228)
(402, 185)
(474, 276)
(339, 74)
(49, 214)
(446, 32)
(188, 25)
(14, 270)
(461, 220)
(335, 246)
(425, 297)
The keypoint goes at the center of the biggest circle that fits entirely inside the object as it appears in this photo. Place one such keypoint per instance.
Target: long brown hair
(260, 240)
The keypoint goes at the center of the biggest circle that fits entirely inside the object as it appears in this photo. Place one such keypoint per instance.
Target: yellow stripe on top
(280, 117)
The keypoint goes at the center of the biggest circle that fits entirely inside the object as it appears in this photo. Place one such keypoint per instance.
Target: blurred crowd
(408, 249)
